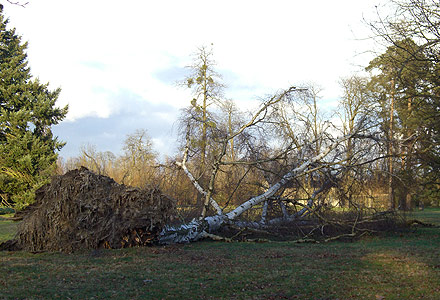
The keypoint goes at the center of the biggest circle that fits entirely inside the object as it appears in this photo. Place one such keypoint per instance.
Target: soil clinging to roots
(83, 210)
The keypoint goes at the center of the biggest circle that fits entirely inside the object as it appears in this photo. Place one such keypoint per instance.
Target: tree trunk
(198, 229)
(390, 150)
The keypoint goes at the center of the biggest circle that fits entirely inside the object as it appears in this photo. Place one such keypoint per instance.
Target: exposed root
(82, 210)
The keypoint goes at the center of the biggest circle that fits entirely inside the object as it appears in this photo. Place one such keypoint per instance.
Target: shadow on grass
(396, 266)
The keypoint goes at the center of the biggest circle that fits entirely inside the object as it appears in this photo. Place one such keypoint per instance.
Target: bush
(6, 210)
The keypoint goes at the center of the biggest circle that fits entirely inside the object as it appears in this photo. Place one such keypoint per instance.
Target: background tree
(139, 159)
(412, 33)
(27, 112)
(355, 104)
(137, 166)
(207, 90)
(102, 163)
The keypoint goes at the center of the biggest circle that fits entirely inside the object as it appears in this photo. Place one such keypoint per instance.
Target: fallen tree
(324, 165)
(204, 227)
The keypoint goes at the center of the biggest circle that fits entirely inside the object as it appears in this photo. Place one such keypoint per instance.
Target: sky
(117, 62)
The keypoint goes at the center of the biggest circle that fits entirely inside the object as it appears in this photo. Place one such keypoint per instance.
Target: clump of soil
(82, 210)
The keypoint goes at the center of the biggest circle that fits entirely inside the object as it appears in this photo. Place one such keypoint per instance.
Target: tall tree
(384, 87)
(354, 105)
(27, 112)
(207, 90)
(413, 29)
(398, 85)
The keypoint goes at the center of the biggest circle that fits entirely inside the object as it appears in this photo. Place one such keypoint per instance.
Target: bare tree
(410, 19)
(356, 103)
(138, 160)
(207, 90)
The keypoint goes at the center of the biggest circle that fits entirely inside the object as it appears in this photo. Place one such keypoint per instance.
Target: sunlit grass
(396, 266)
(429, 215)
(7, 228)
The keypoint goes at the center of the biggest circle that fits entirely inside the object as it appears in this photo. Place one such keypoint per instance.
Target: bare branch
(286, 178)
(182, 165)
(19, 3)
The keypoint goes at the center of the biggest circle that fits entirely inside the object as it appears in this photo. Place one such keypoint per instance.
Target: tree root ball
(82, 210)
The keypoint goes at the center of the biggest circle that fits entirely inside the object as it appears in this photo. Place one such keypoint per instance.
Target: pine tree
(401, 85)
(27, 112)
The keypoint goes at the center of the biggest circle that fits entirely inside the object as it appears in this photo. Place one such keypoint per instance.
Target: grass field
(7, 227)
(396, 266)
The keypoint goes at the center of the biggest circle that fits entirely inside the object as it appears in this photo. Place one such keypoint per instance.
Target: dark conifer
(27, 112)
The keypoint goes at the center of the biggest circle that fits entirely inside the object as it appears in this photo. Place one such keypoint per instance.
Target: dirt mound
(82, 210)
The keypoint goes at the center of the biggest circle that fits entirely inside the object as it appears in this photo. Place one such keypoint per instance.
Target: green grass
(7, 228)
(429, 215)
(397, 266)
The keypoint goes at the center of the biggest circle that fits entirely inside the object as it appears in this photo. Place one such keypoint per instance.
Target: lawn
(403, 265)
(7, 227)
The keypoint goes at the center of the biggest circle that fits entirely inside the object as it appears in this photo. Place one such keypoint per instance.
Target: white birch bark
(264, 213)
(198, 187)
(197, 229)
(285, 179)
(283, 209)
(306, 210)
(194, 181)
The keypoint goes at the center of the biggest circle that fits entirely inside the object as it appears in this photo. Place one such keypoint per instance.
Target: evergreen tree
(419, 73)
(402, 87)
(27, 112)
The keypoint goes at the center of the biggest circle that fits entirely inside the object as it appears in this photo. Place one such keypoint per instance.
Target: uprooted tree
(84, 210)
(297, 162)
(300, 156)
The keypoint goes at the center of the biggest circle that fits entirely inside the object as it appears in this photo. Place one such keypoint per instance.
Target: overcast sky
(117, 61)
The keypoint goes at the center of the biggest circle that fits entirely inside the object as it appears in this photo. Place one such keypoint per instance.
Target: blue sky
(117, 62)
